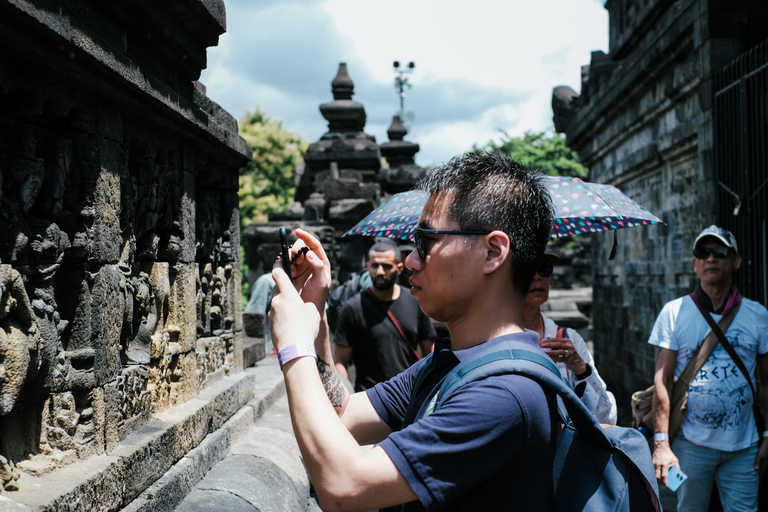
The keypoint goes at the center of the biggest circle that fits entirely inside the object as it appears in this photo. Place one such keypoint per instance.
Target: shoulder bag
(642, 401)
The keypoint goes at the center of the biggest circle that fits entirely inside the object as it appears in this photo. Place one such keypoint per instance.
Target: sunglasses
(717, 252)
(546, 268)
(420, 239)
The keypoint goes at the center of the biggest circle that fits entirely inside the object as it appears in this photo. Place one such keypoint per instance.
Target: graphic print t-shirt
(719, 399)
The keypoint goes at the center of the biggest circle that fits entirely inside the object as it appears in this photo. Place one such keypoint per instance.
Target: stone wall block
(230, 276)
(210, 356)
(104, 231)
(233, 361)
(107, 305)
(73, 427)
(128, 403)
(203, 298)
(187, 219)
(183, 384)
(172, 380)
(236, 306)
(182, 322)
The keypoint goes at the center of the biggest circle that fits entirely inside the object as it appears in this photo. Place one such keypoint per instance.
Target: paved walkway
(257, 467)
(263, 471)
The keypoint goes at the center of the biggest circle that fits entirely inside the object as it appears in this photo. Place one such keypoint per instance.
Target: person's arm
(762, 370)
(663, 457)
(344, 476)
(342, 355)
(605, 409)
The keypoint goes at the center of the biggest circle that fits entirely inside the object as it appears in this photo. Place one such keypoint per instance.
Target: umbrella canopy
(581, 207)
(397, 217)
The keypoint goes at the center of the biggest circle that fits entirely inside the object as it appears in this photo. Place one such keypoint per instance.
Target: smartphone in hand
(675, 478)
(285, 254)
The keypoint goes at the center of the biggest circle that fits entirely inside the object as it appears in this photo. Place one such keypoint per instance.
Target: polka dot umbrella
(583, 207)
(580, 208)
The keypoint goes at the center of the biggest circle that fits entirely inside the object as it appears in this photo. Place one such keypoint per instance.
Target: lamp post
(401, 80)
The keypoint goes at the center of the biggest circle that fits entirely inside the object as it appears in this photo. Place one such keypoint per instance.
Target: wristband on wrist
(586, 373)
(291, 352)
(661, 436)
(765, 434)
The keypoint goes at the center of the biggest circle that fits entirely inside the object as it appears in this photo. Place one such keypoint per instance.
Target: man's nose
(413, 261)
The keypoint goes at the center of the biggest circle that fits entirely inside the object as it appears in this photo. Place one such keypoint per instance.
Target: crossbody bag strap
(718, 331)
(394, 321)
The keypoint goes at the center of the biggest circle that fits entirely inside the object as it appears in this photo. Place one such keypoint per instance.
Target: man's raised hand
(291, 320)
(311, 271)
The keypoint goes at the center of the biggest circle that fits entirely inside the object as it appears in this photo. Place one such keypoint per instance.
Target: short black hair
(385, 245)
(492, 192)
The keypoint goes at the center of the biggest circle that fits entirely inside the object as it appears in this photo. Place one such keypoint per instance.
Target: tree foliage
(267, 183)
(544, 150)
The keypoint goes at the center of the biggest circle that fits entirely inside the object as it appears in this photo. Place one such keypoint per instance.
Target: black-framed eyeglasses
(420, 240)
(546, 268)
(717, 252)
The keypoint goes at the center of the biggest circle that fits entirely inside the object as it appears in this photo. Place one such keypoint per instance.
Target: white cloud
(481, 66)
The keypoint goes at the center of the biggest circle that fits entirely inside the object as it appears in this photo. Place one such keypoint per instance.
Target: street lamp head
(396, 64)
(411, 65)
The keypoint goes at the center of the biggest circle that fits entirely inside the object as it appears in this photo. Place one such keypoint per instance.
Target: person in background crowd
(382, 327)
(565, 346)
(718, 441)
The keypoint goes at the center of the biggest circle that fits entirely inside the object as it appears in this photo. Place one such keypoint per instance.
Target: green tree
(267, 183)
(545, 150)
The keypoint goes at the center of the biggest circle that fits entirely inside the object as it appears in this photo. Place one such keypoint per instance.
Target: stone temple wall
(643, 123)
(119, 251)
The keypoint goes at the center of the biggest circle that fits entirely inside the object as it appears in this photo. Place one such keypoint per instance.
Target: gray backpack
(594, 469)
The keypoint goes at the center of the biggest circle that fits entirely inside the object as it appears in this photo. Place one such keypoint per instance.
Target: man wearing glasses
(718, 441)
(490, 445)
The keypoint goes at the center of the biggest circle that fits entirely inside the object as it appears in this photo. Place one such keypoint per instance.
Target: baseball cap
(721, 234)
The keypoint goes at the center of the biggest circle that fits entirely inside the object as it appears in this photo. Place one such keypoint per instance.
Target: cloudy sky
(481, 65)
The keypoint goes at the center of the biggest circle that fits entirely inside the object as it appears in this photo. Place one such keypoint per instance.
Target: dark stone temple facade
(119, 237)
(647, 121)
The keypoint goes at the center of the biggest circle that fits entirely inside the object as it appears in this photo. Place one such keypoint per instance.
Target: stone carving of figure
(19, 338)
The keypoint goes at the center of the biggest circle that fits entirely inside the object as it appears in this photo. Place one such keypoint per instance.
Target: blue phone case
(675, 478)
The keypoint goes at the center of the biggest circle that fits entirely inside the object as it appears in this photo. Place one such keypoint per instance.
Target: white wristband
(661, 436)
(291, 352)
(765, 434)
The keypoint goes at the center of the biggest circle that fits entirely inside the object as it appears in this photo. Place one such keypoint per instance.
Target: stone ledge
(165, 457)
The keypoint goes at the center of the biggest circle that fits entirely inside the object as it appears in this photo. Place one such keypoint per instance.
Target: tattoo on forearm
(334, 388)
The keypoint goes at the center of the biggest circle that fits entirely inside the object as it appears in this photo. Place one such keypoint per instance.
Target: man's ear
(737, 262)
(497, 247)
(400, 266)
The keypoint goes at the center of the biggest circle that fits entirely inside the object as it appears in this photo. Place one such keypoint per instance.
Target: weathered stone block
(182, 321)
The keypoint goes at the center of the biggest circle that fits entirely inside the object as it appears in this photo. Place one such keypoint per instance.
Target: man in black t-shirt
(382, 327)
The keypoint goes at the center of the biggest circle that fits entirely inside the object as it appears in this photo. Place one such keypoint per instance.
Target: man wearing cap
(718, 441)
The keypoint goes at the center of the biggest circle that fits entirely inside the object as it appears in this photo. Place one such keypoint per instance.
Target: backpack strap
(458, 376)
(422, 372)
